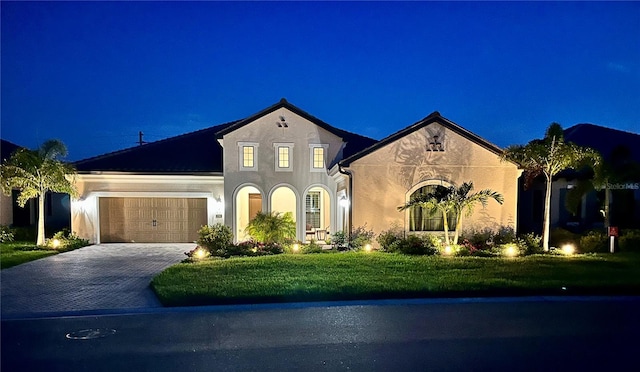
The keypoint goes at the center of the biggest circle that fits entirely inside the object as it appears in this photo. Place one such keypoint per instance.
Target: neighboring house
(57, 206)
(621, 150)
(283, 159)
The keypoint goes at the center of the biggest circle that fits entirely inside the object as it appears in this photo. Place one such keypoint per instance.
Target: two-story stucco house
(286, 160)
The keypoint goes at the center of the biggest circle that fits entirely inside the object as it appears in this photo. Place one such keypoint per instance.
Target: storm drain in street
(89, 334)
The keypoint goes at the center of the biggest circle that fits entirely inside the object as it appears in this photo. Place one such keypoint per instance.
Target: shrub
(415, 245)
(360, 236)
(593, 242)
(530, 243)
(388, 237)
(558, 237)
(312, 247)
(65, 240)
(215, 238)
(339, 240)
(504, 235)
(6, 235)
(198, 253)
(24, 234)
(272, 227)
(629, 241)
(479, 239)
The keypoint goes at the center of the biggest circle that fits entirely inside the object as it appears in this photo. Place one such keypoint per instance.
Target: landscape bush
(360, 236)
(215, 238)
(530, 243)
(6, 235)
(312, 247)
(593, 242)
(339, 240)
(415, 245)
(559, 237)
(65, 240)
(388, 237)
(629, 241)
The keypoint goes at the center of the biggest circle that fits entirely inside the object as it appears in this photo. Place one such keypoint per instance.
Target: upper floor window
(283, 156)
(318, 153)
(248, 155)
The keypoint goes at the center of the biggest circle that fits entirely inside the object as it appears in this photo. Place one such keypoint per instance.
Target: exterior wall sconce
(344, 202)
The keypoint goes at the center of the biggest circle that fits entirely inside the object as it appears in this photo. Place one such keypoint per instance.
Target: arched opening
(248, 204)
(422, 219)
(283, 200)
(317, 206)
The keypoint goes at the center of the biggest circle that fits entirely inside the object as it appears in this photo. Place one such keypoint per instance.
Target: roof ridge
(573, 127)
(154, 143)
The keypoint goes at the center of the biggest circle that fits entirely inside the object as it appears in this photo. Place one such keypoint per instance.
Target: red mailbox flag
(613, 231)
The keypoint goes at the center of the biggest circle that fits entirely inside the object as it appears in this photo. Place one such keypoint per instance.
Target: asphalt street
(528, 334)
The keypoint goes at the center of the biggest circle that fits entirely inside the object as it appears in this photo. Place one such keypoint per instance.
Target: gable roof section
(194, 152)
(354, 142)
(7, 149)
(434, 117)
(603, 139)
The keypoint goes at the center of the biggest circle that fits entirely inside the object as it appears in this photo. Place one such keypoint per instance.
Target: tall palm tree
(548, 157)
(437, 201)
(36, 172)
(464, 203)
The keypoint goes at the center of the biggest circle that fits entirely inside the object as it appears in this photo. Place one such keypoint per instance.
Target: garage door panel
(132, 219)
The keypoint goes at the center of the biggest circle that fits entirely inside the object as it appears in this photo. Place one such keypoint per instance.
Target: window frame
(312, 148)
(241, 163)
(277, 146)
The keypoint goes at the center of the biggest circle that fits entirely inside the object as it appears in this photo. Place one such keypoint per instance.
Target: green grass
(351, 276)
(15, 253)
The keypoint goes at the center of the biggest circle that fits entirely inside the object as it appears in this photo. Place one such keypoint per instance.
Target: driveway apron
(97, 277)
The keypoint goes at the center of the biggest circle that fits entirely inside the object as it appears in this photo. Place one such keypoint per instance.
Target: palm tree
(549, 156)
(464, 202)
(272, 227)
(438, 200)
(36, 172)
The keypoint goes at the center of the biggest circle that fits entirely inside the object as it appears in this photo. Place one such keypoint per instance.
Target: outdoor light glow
(447, 249)
(568, 249)
(511, 251)
(367, 248)
(296, 247)
(200, 253)
(56, 243)
(344, 202)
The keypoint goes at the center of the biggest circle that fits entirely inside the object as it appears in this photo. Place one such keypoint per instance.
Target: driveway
(97, 277)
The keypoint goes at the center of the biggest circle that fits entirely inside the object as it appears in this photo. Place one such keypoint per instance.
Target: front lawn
(349, 276)
(15, 253)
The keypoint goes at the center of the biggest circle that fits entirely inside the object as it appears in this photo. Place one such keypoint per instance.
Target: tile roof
(200, 151)
(193, 152)
(603, 139)
(7, 149)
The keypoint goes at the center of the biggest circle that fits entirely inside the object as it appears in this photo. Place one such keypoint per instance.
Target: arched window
(421, 220)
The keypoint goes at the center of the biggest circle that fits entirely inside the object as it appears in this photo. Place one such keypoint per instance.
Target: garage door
(151, 220)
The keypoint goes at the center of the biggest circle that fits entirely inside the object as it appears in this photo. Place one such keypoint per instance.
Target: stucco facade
(284, 160)
(386, 178)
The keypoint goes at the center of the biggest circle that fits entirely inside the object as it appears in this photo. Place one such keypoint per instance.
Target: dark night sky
(94, 74)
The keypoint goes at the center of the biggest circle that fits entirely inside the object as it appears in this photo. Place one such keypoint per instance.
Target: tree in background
(548, 157)
(36, 172)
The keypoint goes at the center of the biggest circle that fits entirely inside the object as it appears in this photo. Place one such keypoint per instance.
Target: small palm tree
(272, 227)
(437, 201)
(464, 203)
(36, 172)
(453, 199)
(549, 156)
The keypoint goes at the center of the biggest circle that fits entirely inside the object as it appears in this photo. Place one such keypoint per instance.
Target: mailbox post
(613, 234)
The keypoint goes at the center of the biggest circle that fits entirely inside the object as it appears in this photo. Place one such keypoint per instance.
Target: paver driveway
(98, 277)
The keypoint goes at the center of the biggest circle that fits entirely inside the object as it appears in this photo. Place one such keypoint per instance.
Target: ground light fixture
(367, 247)
(510, 250)
(448, 250)
(568, 249)
(200, 253)
(56, 243)
(296, 247)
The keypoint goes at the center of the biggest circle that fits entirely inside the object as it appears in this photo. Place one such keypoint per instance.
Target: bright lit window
(247, 156)
(318, 157)
(283, 157)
